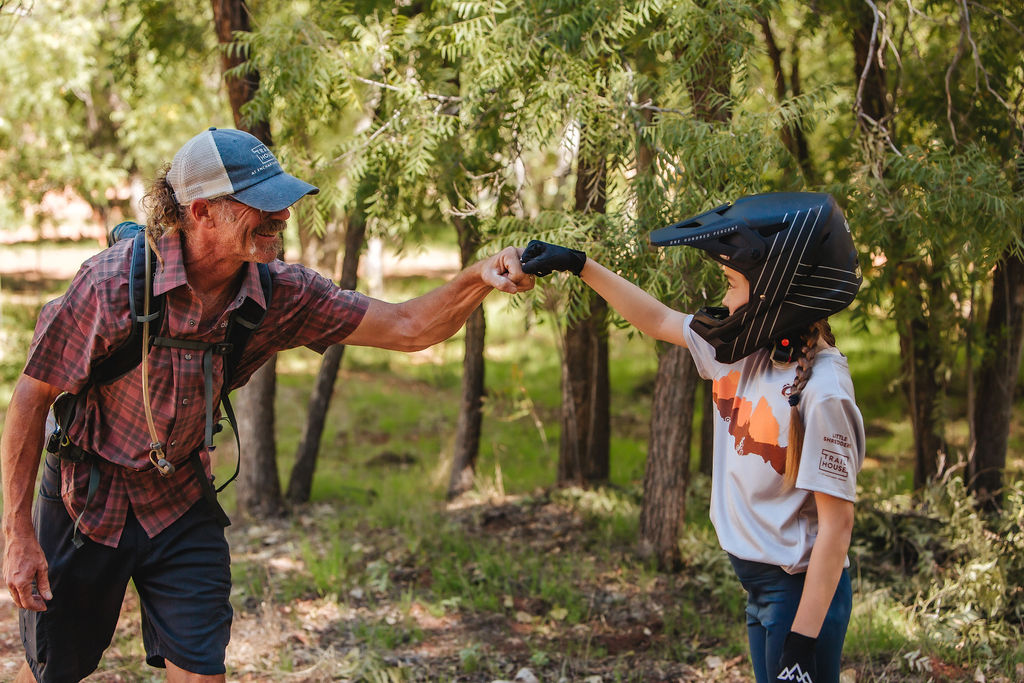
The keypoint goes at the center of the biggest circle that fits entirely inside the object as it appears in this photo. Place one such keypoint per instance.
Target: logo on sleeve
(841, 440)
(834, 465)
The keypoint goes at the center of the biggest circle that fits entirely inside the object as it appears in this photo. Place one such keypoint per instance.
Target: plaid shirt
(91, 320)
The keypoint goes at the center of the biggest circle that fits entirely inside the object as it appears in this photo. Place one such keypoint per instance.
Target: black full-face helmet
(796, 251)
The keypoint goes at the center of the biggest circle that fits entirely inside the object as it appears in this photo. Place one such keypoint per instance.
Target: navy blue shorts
(183, 577)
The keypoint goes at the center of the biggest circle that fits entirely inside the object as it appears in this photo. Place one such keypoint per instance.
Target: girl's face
(739, 290)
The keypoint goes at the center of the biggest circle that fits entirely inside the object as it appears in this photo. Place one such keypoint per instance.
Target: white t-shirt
(755, 518)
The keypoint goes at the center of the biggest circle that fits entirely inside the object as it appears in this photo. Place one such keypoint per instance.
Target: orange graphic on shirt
(753, 428)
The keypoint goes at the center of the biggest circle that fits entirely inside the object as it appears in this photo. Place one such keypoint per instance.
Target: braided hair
(817, 331)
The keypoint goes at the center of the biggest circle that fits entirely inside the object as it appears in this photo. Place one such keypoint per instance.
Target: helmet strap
(786, 349)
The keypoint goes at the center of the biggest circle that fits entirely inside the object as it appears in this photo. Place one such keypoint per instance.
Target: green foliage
(98, 93)
(937, 223)
(956, 574)
(477, 113)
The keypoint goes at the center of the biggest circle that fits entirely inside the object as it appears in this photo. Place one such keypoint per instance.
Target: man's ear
(200, 212)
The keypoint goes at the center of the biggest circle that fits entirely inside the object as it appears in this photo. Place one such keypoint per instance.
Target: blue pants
(772, 599)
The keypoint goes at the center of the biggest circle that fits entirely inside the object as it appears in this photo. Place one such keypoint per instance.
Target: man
(215, 213)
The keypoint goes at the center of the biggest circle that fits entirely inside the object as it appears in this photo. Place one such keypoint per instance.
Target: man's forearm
(442, 312)
(437, 315)
(20, 447)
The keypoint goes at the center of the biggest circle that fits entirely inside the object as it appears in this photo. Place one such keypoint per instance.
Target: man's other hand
(25, 572)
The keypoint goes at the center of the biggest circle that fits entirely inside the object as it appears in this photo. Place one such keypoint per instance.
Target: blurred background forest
(536, 488)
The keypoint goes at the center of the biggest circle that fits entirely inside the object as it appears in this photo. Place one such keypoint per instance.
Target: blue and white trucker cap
(233, 163)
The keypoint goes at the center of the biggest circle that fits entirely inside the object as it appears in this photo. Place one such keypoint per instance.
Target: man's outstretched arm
(437, 315)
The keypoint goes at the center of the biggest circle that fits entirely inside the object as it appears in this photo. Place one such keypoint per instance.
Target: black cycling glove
(540, 258)
(797, 661)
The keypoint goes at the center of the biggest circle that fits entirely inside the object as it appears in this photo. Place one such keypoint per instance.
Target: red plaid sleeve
(76, 330)
(306, 309)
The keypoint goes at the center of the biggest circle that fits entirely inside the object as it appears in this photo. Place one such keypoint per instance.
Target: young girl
(789, 438)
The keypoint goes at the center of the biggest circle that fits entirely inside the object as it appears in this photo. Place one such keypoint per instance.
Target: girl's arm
(835, 524)
(642, 310)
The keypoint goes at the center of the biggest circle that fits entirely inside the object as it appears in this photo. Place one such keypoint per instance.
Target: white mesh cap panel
(197, 171)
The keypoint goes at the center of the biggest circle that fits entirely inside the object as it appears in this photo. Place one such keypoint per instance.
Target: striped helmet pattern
(796, 251)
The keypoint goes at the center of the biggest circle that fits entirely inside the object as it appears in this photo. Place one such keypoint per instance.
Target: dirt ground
(321, 639)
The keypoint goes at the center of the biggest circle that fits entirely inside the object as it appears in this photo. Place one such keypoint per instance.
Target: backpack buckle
(223, 348)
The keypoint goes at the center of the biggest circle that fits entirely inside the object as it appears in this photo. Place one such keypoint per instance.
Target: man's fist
(540, 258)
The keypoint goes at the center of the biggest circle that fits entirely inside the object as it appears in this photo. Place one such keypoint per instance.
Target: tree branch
(648, 105)
(388, 86)
(869, 60)
(20, 10)
(368, 140)
(965, 28)
(1014, 114)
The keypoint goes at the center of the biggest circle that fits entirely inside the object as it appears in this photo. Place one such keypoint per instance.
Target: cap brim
(276, 193)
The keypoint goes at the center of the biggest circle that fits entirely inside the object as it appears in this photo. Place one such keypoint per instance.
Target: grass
(516, 562)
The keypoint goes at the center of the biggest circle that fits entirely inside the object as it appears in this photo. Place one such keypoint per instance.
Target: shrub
(956, 571)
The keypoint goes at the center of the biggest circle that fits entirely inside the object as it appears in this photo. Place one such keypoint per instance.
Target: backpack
(128, 355)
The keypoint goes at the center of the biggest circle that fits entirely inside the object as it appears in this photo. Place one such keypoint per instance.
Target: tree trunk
(667, 475)
(997, 381)
(668, 456)
(259, 489)
(792, 135)
(300, 482)
(584, 451)
(875, 112)
(921, 386)
(470, 420)
(997, 376)
(707, 427)
(667, 470)
(230, 16)
(919, 350)
(467, 431)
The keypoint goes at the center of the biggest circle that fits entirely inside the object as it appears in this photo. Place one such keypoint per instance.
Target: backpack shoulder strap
(129, 354)
(244, 320)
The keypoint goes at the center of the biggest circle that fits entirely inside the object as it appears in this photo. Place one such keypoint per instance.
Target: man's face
(248, 233)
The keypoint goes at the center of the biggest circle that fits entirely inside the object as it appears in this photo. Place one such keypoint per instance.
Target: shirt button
(184, 401)
(188, 356)
(224, 324)
(174, 443)
(191, 323)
